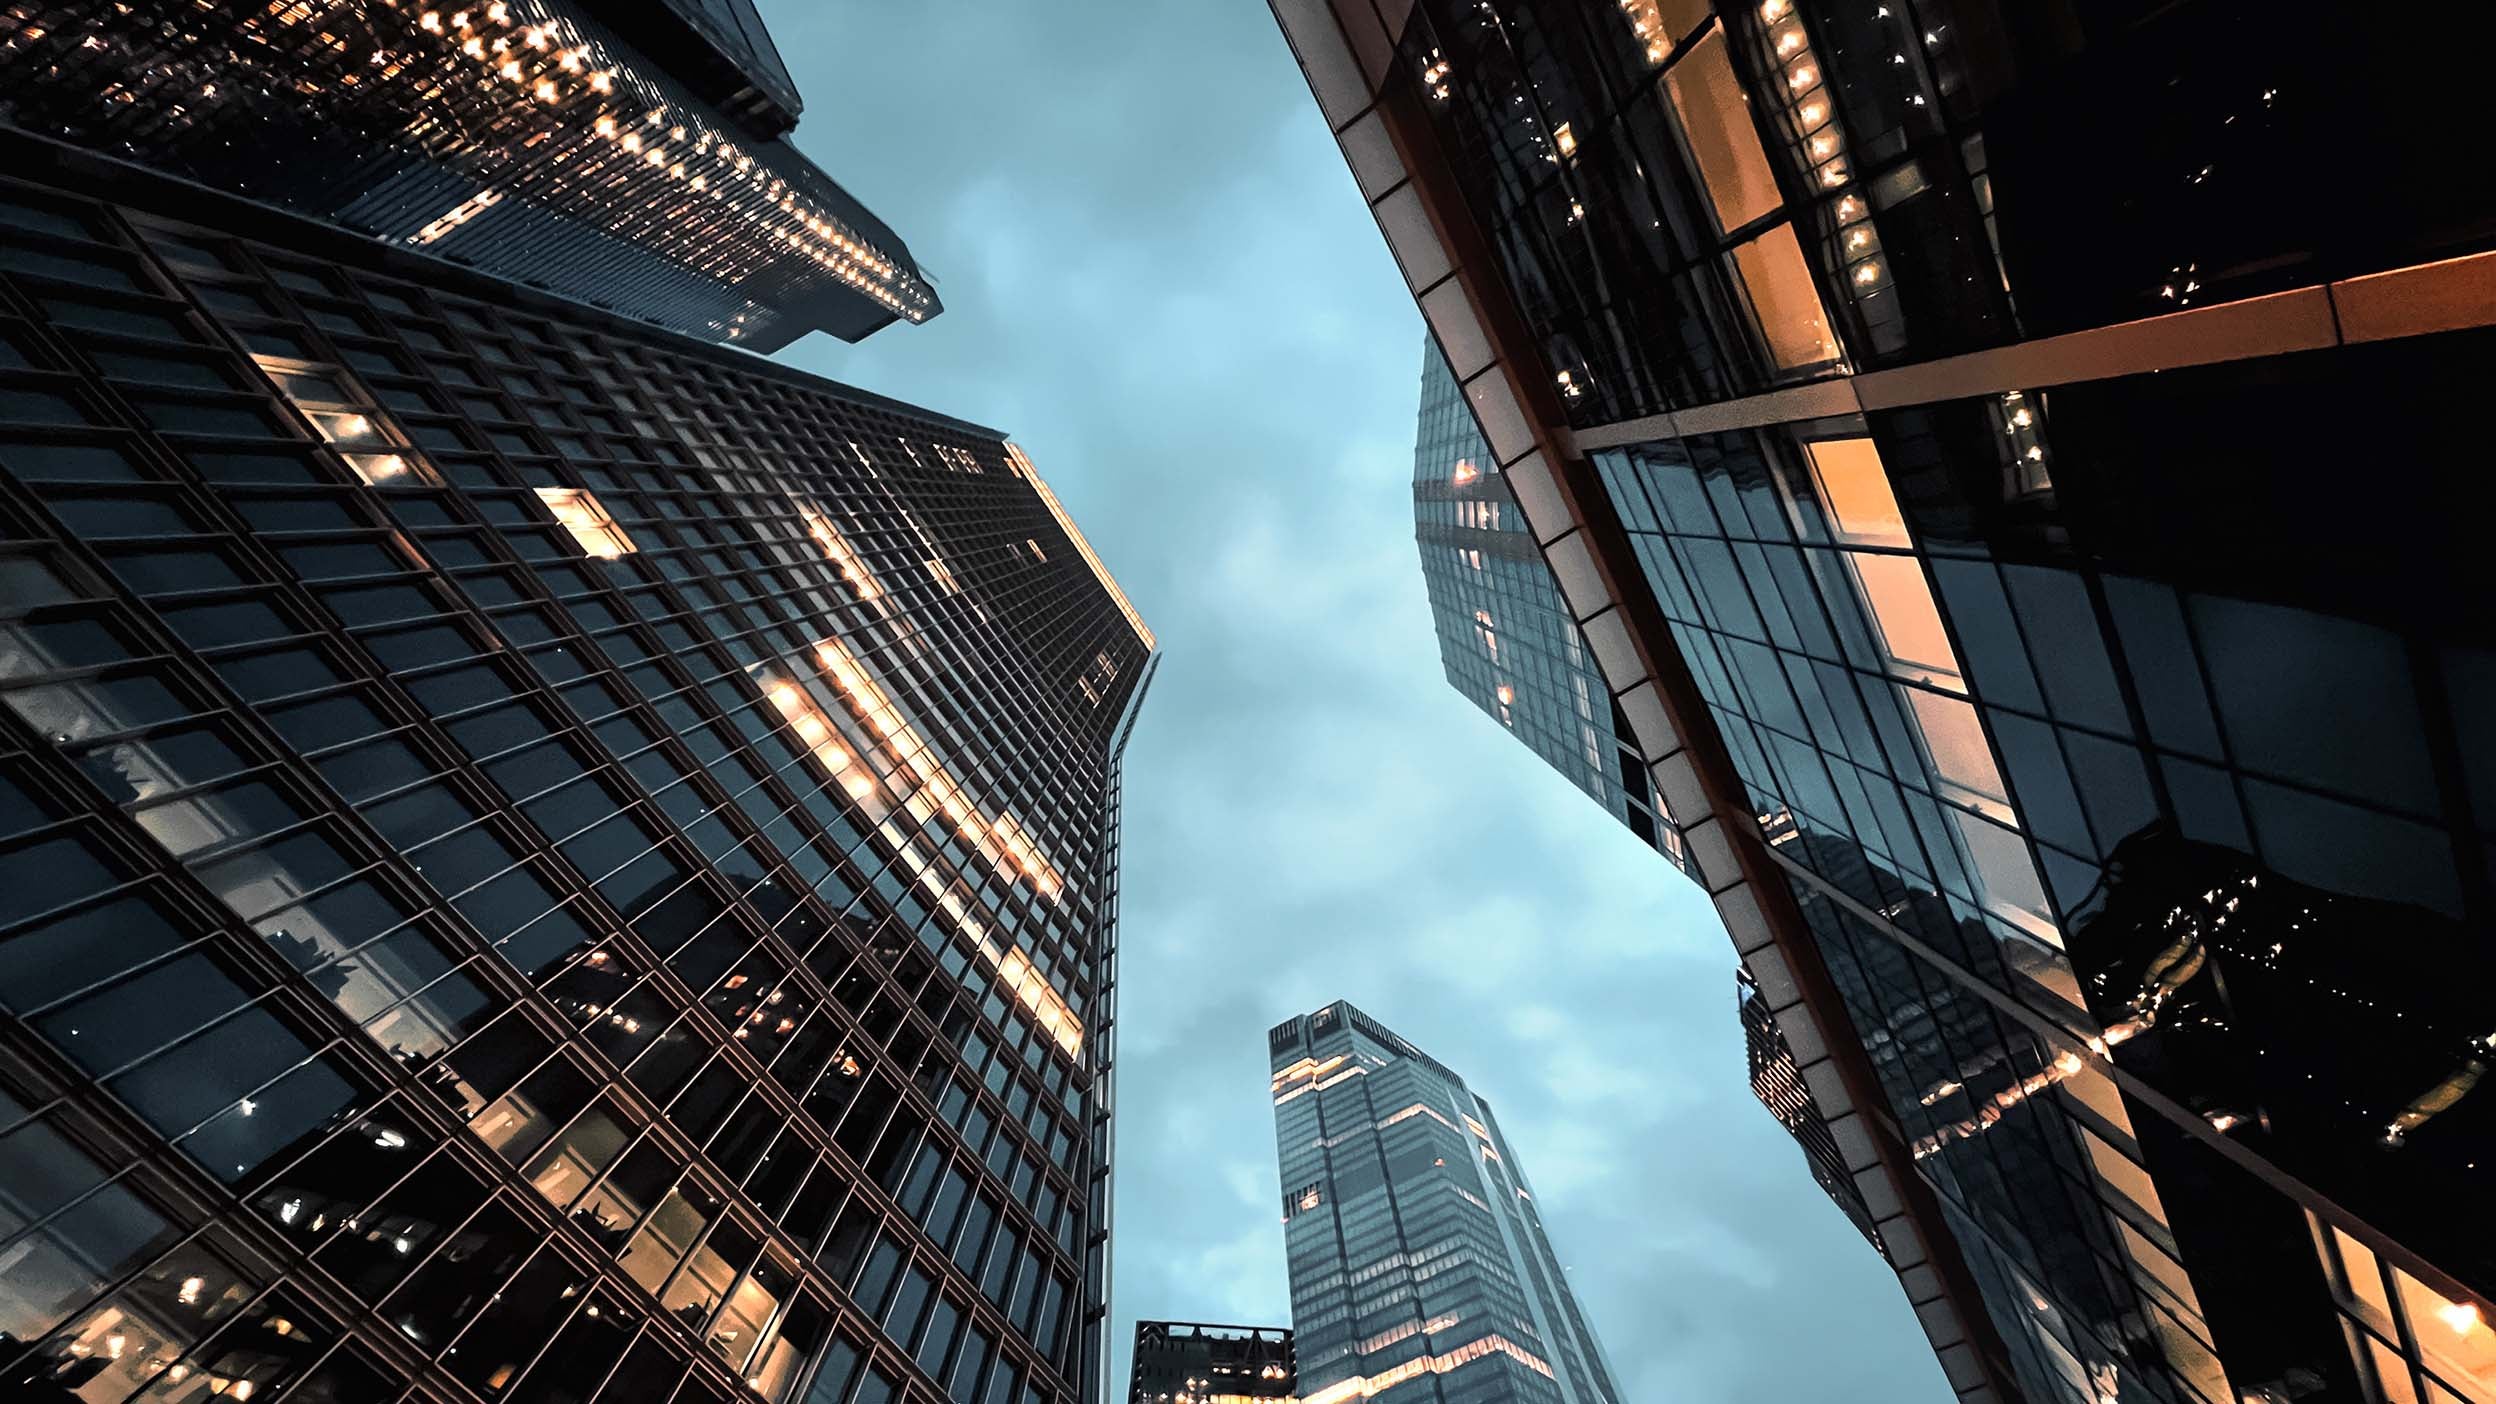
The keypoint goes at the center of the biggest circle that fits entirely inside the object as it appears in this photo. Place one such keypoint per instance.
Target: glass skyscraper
(1509, 647)
(541, 859)
(2035, 561)
(1419, 1265)
(1505, 638)
(630, 154)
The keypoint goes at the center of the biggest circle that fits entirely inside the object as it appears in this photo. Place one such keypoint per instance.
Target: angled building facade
(1419, 1265)
(625, 153)
(1187, 1362)
(1997, 526)
(1505, 638)
(1777, 1081)
(546, 860)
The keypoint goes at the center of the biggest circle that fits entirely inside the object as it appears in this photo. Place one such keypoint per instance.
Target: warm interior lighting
(1021, 464)
(811, 725)
(1363, 1386)
(999, 838)
(1715, 119)
(1855, 490)
(592, 529)
(1565, 139)
(457, 215)
(1465, 473)
(836, 548)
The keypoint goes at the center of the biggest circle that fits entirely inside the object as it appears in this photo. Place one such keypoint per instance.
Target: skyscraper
(1419, 1265)
(1777, 1081)
(626, 153)
(546, 860)
(1185, 1362)
(2004, 524)
(1505, 639)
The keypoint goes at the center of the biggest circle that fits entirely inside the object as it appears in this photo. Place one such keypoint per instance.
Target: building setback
(1184, 1362)
(1419, 1265)
(2025, 551)
(630, 154)
(545, 860)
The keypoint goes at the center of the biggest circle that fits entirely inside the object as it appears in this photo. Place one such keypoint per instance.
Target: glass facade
(544, 860)
(1777, 1081)
(1505, 638)
(1183, 1362)
(2029, 559)
(1419, 1265)
(629, 156)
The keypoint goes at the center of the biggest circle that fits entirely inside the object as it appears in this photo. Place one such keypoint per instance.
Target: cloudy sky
(1159, 279)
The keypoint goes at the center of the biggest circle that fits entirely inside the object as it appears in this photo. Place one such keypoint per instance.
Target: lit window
(1000, 839)
(1036, 553)
(836, 549)
(815, 729)
(458, 215)
(1716, 123)
(1855, 490)
(943, 574)
(1465, 472)
(345, 423)
(1565, 139)
(592, 529)
(1910, 625)
(1783, 300)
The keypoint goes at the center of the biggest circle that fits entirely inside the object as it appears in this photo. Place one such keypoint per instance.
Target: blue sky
(1159, 279)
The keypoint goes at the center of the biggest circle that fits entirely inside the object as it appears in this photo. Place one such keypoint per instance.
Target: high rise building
(546, 860)
(1777, 1081)
(626, 153)
(1419, 1265)
(1509, 646)
(1505, 638)
(2016, 535)
(1184, 1362)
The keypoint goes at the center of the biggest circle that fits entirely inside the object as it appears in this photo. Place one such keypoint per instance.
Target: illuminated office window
(591, 527)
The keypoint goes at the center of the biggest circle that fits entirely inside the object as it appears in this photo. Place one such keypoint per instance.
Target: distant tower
(1414, 1242)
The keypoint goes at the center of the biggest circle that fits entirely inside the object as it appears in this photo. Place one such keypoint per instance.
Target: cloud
(1159, 277)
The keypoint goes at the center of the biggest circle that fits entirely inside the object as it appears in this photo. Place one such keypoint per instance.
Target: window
(1855, 490)
(1715, 117)
(1783, 301)
(592, 529)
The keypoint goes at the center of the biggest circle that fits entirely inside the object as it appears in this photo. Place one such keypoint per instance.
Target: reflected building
(2017, 546)
(1777, 1081)
(630, 154)
(1419, 1265)
(1506, 640)
(545, 859)
(1186, 1362)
